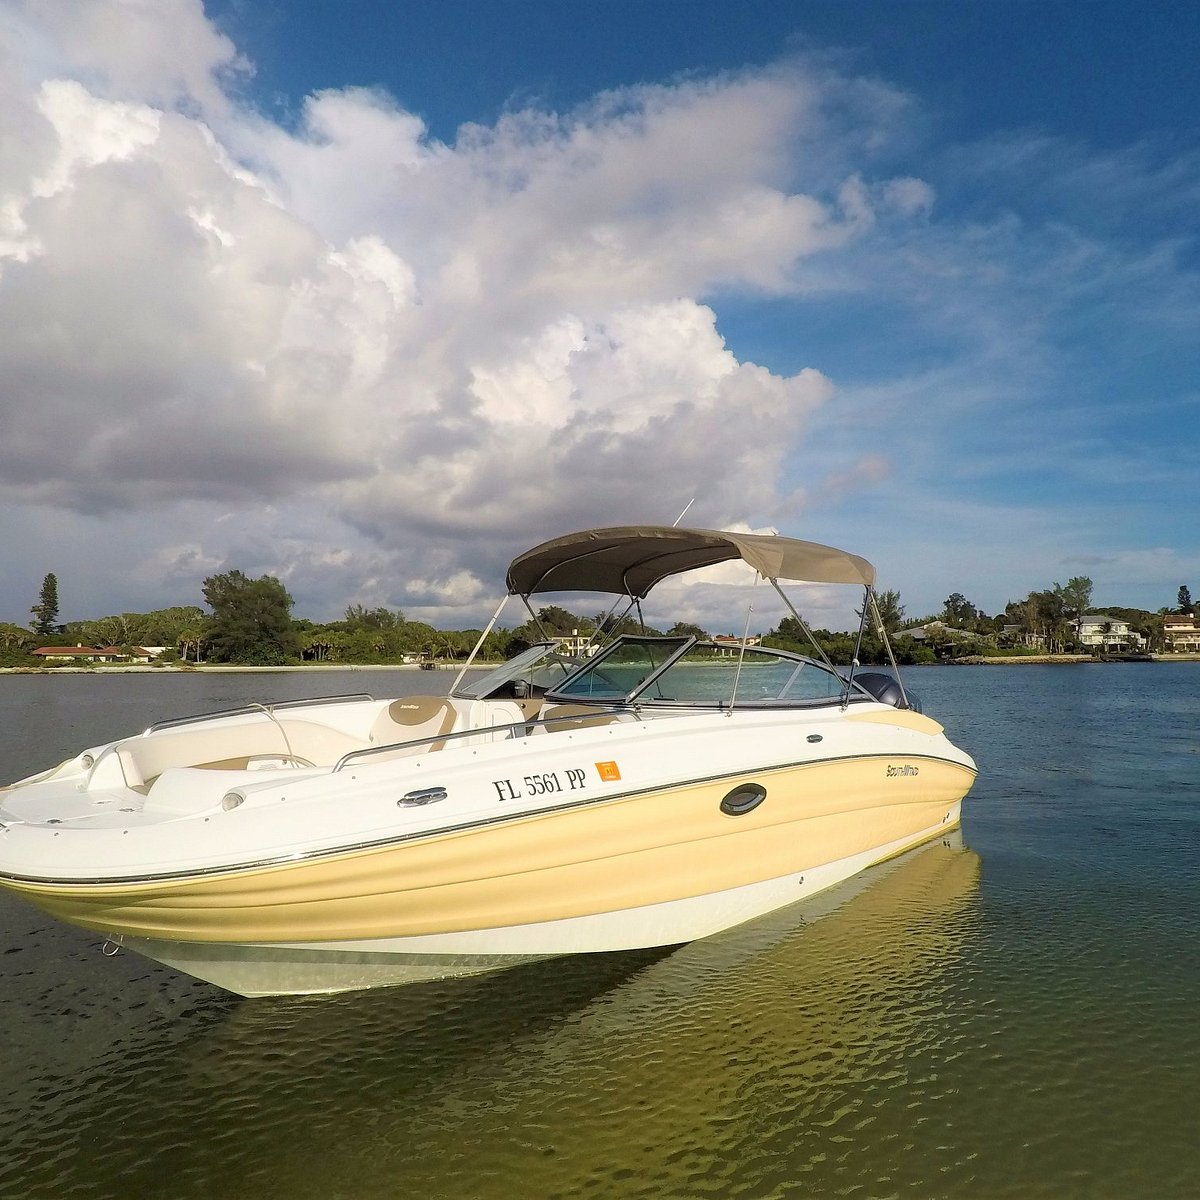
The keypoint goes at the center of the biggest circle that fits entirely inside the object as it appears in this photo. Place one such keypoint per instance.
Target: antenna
(742, 652)
(684, 513)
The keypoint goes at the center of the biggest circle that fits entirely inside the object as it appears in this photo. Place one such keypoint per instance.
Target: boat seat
(574, 716)
(225, 747)
(415, 717)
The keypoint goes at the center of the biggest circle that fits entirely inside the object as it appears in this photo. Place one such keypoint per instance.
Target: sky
(372, 296)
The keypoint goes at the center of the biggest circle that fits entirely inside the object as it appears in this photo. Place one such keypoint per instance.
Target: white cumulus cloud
(425, 354)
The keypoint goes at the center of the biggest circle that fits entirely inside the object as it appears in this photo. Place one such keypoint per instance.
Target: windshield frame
(519, 667)
(561, 694)
(682, 645)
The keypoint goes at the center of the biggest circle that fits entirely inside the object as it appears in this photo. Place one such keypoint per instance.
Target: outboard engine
(886, 690)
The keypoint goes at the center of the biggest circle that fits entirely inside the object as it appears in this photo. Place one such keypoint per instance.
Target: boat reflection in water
(792, 1049)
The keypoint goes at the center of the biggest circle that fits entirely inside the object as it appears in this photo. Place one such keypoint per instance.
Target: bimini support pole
(854, 663)
(800, 621)
(478, 645)
(741, 654)
(887, 645)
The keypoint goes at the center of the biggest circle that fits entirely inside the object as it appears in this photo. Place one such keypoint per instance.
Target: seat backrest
(231, 746)
(415, 717)
(574, 716)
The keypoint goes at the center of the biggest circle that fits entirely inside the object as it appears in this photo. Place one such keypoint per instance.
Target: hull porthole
(743, 799)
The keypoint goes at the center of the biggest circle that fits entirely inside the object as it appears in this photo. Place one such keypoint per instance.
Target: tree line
(1045, 620)
(250, 622)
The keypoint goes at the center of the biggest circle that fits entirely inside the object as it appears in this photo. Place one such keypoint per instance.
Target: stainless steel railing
(246, 709)
(526, 727)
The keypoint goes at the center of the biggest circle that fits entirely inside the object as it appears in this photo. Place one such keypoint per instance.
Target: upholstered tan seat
(415, 717)
(231, 747)
(575, 716)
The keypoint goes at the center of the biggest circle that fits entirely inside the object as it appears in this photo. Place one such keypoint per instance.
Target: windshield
(530, 673)
(708, 674)
(682, 671)
(621, 669)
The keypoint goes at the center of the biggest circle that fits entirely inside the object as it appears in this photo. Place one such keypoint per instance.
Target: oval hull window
(744, 798)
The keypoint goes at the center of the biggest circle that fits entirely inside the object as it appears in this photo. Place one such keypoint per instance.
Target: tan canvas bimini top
(631, 559)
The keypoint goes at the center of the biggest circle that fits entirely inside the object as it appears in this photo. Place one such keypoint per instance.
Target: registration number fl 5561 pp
(548, 782)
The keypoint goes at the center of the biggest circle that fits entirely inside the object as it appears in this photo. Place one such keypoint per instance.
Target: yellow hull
(620, 854)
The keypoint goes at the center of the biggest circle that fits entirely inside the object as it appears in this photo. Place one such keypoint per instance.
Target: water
(1010, 1016)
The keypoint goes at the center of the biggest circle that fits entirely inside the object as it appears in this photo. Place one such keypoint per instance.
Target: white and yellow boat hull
(624, 860)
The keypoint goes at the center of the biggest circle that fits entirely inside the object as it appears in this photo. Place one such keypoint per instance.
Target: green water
(1012, 1014)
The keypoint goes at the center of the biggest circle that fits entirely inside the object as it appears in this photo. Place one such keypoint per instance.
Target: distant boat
(1130, 656)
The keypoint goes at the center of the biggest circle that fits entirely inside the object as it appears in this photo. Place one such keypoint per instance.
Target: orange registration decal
(609, 771)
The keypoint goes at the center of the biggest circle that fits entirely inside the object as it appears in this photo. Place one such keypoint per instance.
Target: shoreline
(984, 660)
(218, 669)
(973, 660)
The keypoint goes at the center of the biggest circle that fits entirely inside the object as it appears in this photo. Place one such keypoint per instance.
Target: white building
(1181, 632)
(575, 645)
(936, 631)
(1099, 632)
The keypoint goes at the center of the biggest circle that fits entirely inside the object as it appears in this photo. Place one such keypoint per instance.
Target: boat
(647, 792)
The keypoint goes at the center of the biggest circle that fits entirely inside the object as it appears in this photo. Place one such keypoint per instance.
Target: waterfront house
(937, 632)
(574, 644)
(70, 654)
(109, 654)
(1181, 632)
(1099, 633)
(730, 644)
(135, 654)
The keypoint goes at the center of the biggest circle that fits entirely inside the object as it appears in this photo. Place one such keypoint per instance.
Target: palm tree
(891, 611)
(315, 644)
(13, 637)
(189, 640)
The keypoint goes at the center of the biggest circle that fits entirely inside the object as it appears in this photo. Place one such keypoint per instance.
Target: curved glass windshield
(708, 674)
(682, 671)
(621, 669)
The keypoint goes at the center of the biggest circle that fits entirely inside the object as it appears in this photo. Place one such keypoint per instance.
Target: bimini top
(631, 559)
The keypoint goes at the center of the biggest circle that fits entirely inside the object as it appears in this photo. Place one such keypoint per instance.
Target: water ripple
(1013, 1023)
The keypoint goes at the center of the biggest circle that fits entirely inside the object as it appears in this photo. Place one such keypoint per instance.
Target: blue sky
(371, 296)
(1105, 73)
